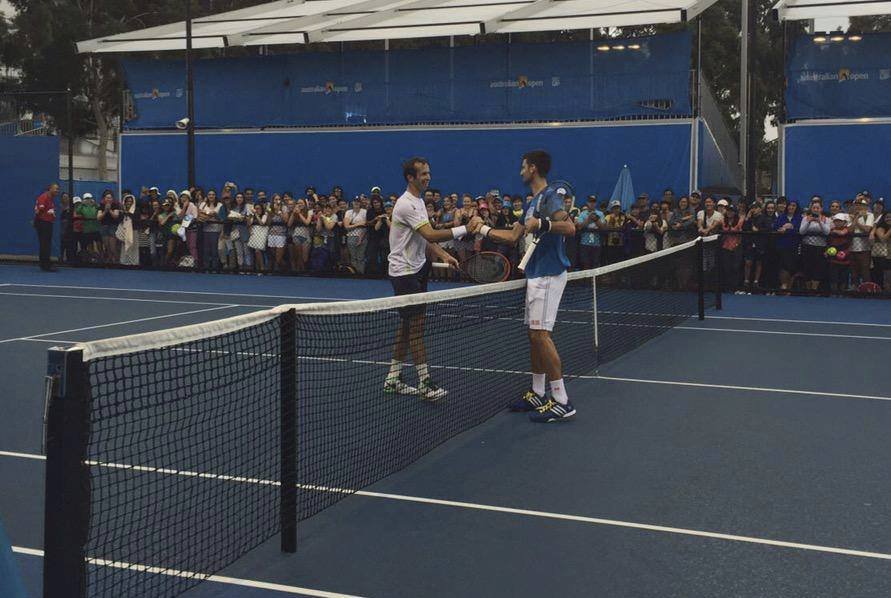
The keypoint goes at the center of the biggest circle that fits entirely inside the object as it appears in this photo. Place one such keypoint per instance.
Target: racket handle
(440, 265)
(527, 256)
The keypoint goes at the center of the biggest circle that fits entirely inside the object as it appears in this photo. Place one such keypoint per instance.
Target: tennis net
(172, 454)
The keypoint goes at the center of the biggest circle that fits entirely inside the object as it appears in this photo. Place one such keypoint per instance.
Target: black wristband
(545, 225)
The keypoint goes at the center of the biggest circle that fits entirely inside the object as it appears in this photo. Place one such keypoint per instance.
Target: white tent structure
(800, 10)
(303, 21)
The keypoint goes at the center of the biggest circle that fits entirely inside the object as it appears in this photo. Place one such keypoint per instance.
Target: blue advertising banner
(648, 76)
(462, 160)
(837, 161)
(839, 79)
(27, 166)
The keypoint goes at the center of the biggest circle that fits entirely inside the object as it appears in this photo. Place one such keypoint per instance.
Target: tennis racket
(483, 267)
(562, 188)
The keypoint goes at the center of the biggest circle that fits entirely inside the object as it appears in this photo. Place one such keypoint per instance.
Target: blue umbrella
(624, 190)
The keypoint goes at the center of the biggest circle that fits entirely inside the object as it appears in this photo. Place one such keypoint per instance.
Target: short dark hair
(540, 159)
(409, 167)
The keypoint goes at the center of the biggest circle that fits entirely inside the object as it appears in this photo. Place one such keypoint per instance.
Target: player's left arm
(558, 223)
(435, 251)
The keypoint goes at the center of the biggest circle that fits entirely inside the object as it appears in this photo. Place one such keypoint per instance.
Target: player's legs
(410, 337)
(543, 296)
(545, 355)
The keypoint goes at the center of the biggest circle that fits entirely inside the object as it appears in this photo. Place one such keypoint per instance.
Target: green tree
(49, 29)
(721, 54)
(872, 24)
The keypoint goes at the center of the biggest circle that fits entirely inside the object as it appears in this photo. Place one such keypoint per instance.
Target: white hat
(615, 204)
(76, 199)
(841, 216)
(171, 191)
(154, 189)
(723, 202)
(88, 195)
(185, 192)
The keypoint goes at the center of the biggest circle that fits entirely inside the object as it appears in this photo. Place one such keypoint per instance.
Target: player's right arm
(404, 214)
(504, 237)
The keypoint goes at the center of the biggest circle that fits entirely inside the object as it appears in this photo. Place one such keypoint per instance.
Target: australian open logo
(521, 82)
(849, 75)
(328, 88)
(841, 75)
(154, 94)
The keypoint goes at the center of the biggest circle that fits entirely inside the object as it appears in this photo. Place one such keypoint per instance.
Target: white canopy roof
(307, 21)
(797, 10)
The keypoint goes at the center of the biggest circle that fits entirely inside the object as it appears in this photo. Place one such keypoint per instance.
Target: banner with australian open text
(839, 76)
(632, 77)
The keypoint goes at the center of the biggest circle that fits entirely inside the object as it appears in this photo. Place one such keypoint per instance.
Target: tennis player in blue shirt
(546, 279)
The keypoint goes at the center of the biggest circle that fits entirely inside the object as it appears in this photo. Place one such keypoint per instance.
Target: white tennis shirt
(408, 249)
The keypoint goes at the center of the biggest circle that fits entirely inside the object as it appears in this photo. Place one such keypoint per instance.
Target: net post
(288, 432)
(596, 324)
(700, 257)
(719, 278)
(67, 506)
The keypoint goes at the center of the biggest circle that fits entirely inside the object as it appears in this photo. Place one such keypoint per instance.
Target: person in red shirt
(44, 216)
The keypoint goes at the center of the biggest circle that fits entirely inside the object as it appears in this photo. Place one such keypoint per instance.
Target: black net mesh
(640, 301)
(184, 450)
(353, 433)
(185, 441)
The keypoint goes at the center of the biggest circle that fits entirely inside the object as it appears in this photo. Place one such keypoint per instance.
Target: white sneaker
(431, 392)
(396, 386)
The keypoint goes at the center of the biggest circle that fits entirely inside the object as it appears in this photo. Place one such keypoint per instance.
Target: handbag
(119, 233)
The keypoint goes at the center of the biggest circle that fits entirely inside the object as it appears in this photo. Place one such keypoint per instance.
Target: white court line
(498, 509)
(234, 581)
(117, 299)
(713, 317)
(54, 286)
(816, 393)
(745, 388)
(184, 313)
(782, 333)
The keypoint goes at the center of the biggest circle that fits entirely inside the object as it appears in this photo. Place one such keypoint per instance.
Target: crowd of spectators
(769, 245)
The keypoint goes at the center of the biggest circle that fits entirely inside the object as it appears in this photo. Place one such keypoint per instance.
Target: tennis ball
(831, 251)
(174, 228)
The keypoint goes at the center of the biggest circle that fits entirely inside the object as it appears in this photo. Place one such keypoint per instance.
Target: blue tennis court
(742, 455)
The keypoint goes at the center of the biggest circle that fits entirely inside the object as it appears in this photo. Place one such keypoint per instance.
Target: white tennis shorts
(543, 296)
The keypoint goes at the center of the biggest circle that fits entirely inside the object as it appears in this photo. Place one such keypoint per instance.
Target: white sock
(395, 369)
(422, 372)
(538, 384)
(558, 391)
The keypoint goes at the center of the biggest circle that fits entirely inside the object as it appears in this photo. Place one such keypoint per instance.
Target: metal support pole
(719, 277)
(700, 257)
(190, 98)
(750, 31)
(68, 108)
(744, 94)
